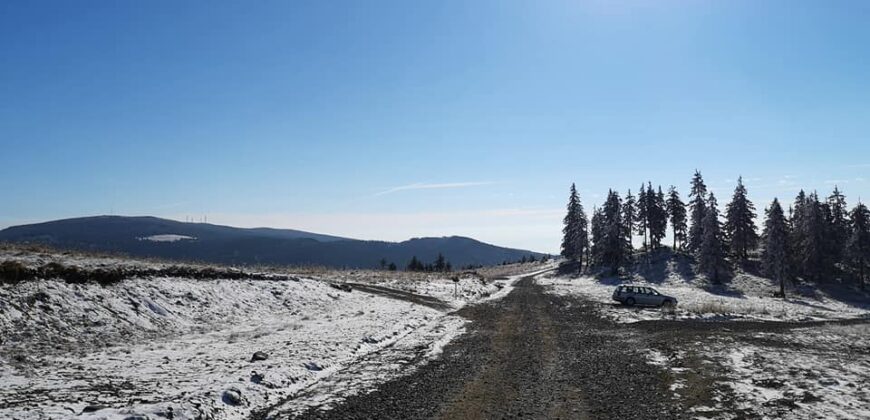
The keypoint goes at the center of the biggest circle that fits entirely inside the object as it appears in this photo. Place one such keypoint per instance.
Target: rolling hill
(169, 239)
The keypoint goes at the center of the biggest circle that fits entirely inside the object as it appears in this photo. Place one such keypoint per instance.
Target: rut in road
(530, 355)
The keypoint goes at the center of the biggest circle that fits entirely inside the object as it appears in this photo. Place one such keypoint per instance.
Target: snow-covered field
(745, 297)
(808, 373)
(182, 348)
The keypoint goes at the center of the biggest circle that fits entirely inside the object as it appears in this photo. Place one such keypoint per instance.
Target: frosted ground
(184, 348)
(816, 372)
(816, 366)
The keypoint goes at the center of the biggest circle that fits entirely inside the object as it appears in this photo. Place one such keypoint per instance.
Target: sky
(397, 119)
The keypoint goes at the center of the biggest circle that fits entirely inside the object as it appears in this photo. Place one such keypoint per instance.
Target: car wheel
(629, 301)
(667, 304)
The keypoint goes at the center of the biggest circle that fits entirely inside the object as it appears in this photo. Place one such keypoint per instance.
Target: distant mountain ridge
(154, 237)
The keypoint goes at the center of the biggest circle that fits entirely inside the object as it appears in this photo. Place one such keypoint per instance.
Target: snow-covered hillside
(184, 348)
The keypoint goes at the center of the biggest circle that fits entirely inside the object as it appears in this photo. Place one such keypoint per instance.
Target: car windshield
(653, 292)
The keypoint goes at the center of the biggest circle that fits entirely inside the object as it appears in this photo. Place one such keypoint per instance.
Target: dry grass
(722, 307)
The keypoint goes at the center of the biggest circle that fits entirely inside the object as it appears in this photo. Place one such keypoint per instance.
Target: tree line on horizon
(816, 239)
(442, 265)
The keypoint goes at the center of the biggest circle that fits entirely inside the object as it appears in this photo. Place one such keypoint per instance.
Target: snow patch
(167, 238)
(811, 373)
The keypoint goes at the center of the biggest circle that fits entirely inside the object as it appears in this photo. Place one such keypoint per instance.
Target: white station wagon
(642, 295)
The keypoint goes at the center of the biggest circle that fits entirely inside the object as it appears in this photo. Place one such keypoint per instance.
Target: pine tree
(711, 250)
(392, 267)
(677, 214)
(642, 222)
(698, 207)
(839, 229)
(576, 238)
(629, 211)
(740, 227)
(858, 246)
(658, 216)
(775, 256)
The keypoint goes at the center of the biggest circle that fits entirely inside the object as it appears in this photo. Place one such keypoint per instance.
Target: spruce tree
(658, 216)
(774, 258)
(440, 263)
(677, 215)
(614, 251)
(839, 229)
(858, 246)
(629, 211)
(597, 229)
(642, 213)
(740, 223)
(575, 238)
(796, 237)
(698, 207)
(711, 250)
(811, 238)
(415, 264)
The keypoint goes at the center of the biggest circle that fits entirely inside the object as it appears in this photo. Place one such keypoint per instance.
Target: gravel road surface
(529, 355)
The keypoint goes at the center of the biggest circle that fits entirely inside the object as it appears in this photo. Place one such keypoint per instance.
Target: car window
(654, 292)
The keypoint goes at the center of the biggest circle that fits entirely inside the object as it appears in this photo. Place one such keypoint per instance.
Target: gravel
(530, 355)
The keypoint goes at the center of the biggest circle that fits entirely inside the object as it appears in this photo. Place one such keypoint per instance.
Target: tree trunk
(782, 286)
(644, 240)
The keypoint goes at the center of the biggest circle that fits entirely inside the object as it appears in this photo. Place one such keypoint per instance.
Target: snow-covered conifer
(740, 227)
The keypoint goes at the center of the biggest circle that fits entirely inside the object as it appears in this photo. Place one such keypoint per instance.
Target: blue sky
(387, 120)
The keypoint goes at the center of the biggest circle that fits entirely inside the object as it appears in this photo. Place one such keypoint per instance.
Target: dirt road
(530, 355)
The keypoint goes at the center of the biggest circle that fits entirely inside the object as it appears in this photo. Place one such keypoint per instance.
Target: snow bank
(183, 348)
(182, 343)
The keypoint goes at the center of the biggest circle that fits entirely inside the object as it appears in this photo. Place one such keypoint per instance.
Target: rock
(312, 366)
(91, 408)
(259, 356)
(167, 413)
(809, 397)
(137, 417)
(256, 378)
(769, 383)
(344, 287)
(233, 396)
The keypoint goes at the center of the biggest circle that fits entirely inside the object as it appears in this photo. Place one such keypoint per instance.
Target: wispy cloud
(428, 186)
